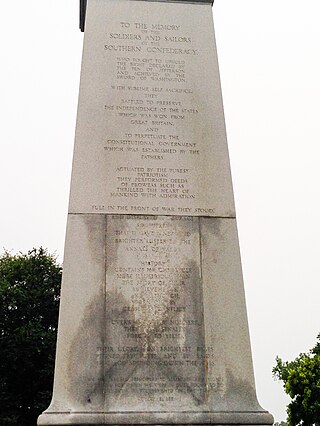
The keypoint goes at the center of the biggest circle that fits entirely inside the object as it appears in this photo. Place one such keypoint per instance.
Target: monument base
(156, 419)
(103, 369)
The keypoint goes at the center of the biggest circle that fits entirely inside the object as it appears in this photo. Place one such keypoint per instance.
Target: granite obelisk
(153, 326)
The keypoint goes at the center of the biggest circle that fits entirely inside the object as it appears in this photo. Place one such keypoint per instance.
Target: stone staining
(152, 326)
(153, 306)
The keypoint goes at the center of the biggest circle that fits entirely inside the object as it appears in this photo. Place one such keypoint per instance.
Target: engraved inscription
(149, 116)
(154, 326)
(157, 145)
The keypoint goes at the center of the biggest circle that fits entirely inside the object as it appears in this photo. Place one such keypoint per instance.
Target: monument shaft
(153, 326)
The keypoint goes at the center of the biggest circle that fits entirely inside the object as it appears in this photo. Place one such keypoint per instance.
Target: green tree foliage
(29, 301)
(301, 381)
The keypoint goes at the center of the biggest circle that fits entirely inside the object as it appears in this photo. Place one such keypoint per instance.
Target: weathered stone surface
(154, 322)
(153, 326)
(150, 134)
(81, 321)
(225, 319)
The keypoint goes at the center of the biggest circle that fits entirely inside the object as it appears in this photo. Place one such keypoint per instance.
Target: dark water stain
(84, 369)
(93, 374)
(123, 370)
(239, 395)
(113, 223)
(216, 226)
(95, 235)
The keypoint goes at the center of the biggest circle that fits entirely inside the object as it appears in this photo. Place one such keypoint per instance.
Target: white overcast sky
(269, 54)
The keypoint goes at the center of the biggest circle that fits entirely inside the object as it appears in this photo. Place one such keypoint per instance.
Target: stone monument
(153, 326)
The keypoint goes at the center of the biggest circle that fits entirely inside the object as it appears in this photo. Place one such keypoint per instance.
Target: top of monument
(83, 7)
